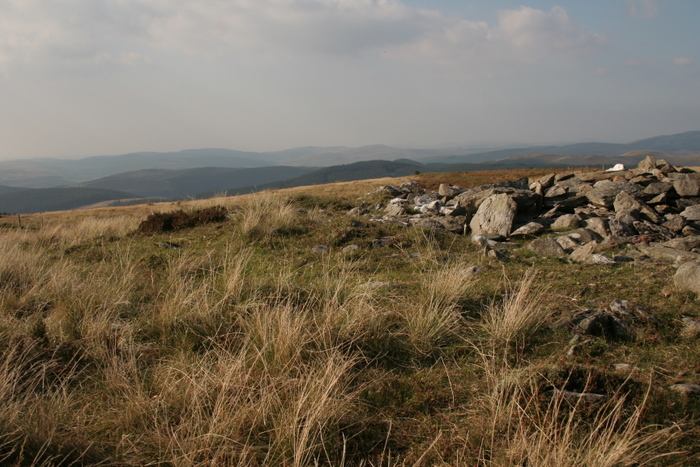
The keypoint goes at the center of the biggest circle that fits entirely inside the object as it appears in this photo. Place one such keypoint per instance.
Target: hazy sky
(89, 77)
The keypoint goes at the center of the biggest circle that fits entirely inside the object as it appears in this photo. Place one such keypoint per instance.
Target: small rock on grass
(691, 328)
(687, 389)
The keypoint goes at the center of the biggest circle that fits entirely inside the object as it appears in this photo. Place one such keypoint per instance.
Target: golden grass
(253, 351)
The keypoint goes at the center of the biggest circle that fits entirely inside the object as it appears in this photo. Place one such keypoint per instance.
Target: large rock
(525, 199)
(494, 216)
(687, 277)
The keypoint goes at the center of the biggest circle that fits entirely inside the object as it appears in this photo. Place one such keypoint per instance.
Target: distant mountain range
(37, 185)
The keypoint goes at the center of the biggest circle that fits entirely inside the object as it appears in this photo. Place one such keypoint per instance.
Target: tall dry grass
(536, 429)
(264, 215)
(434, 317)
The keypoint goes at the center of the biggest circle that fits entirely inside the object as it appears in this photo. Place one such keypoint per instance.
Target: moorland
(284, 328)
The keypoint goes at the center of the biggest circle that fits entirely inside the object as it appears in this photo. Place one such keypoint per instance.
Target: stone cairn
(654, 209)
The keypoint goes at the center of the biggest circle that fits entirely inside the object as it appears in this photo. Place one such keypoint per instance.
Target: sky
(97, 77)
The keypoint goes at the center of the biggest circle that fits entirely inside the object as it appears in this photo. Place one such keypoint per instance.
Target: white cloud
(643, 8)
(45, 31)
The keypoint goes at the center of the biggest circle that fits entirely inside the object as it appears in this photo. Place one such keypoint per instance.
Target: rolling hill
(27, 201)
(186, 182)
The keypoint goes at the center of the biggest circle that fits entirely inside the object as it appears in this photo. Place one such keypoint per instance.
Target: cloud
(45, 31)
(683, 61)
(536, 32)
(643, 8)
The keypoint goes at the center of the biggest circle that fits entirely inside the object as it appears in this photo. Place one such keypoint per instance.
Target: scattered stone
(168, 245)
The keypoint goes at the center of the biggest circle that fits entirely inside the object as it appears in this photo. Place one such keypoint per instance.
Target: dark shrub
(176, 220)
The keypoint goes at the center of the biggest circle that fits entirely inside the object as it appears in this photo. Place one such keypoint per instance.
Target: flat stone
(671, 254)
(531, 228)
(574, 397)
(603, 194)
(555, 192)
(585, 235)
(683, 243)
(657, 188)
(691, 213)
(547, 247)
(686, 184)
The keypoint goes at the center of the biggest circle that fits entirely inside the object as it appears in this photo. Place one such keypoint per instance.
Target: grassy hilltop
(238, 341)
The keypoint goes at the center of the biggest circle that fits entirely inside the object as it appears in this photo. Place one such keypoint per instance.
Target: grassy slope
(242, 346)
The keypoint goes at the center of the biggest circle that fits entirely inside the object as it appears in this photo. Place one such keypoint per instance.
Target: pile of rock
(653, 208)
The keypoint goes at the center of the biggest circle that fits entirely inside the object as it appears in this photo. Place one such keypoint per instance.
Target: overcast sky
(92, 77)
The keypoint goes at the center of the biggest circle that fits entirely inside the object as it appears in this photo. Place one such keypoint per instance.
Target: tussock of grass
(522, 311)
(265, 215)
